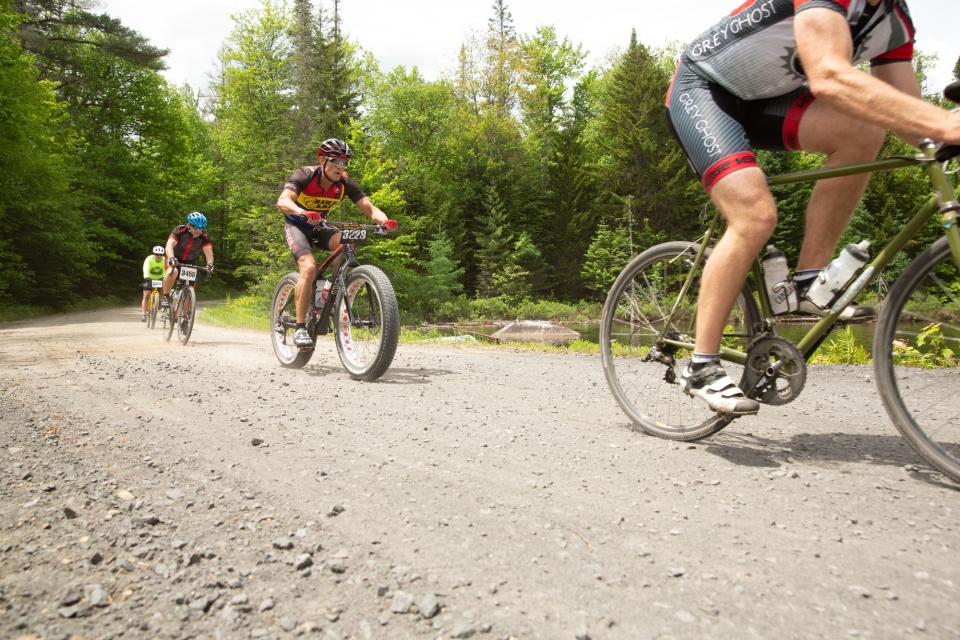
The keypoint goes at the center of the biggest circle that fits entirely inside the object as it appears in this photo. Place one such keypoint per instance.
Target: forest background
(524, 178)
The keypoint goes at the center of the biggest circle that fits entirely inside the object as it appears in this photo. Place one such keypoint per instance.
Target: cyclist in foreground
(307, 196)
(185, 244)
(154, 268)
(781, 74)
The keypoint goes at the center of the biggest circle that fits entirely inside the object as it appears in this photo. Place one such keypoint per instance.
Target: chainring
(775, 372)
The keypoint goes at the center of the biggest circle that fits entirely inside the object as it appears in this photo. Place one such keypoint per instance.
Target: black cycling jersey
(188, 248)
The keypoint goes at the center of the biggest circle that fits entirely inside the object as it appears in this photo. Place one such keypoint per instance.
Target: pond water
(590, 331)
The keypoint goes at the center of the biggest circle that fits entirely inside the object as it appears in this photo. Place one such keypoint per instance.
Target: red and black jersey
(752, 53)
(188, 247)
(305, 182)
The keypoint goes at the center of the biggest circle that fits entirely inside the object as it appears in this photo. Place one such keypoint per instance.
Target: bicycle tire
(922, 402)
(170, 319)
(283, 309)
(643, 294)
(367, 348)
(189, 298)
(154, 302)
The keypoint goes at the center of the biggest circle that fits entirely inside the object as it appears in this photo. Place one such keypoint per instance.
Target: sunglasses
(339, 162)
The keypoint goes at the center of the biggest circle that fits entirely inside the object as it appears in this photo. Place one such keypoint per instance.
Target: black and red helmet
(334, 148)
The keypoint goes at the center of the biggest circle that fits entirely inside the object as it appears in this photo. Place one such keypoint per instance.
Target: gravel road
(151, 490)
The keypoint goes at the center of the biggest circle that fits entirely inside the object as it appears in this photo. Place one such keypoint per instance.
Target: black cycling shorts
(719, 131)
(303, 238)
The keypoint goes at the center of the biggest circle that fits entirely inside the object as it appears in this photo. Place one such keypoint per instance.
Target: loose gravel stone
(402, 601)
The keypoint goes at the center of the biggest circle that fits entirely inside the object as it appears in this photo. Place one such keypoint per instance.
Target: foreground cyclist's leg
(307, 265)
(748, 207)
(844, 140)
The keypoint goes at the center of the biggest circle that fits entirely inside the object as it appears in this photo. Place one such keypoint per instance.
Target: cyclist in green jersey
(154, 268)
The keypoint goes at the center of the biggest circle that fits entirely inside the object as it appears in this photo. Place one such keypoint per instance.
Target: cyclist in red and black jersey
(307, 197)
(783, 74)
(185, 244)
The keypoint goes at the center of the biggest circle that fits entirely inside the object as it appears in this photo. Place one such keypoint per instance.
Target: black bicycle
(182, 311)
(360, 307)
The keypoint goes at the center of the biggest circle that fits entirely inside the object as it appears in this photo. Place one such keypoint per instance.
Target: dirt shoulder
(153, 490)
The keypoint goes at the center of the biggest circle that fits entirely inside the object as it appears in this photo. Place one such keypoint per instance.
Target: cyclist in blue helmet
(185, 244)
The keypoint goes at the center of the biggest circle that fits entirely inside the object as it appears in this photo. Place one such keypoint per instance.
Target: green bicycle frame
(943, 200)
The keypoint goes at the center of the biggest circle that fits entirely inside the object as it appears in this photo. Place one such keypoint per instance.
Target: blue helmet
(197, 219)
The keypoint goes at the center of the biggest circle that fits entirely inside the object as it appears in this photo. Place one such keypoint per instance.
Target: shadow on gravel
(392, 376)
(755, 451)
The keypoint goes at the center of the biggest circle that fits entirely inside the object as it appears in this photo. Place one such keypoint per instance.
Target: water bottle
(780, 287)
(832, 279)
(321, 292)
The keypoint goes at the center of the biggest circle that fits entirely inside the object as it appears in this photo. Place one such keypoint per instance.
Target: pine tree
(608, 253)
(494, 241)
(443, 272)
(501, 80)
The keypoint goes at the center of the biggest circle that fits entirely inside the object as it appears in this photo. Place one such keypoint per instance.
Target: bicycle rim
(367, 345)
(635, 314)
(916, 352)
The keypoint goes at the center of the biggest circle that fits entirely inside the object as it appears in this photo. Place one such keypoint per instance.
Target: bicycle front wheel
(643, 308)
(916, 353)
(367, 344)
(186, 315)
(154, 302)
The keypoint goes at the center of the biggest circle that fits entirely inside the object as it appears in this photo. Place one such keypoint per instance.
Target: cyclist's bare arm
(823, 41)
(171, 243)
(287, 203)
(208, 255)
(900, 75)
(371, 210)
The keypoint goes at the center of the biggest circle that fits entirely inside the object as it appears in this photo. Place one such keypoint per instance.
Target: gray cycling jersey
(752, 54)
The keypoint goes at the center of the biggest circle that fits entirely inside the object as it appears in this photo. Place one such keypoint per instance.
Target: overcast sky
(428, 33)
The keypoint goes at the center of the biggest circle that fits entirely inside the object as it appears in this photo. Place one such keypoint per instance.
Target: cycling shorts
(303, 238)
(719, 131)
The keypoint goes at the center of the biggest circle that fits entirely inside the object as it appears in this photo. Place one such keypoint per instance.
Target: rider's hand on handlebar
(172, 263)
(313, 217)
(209, 268)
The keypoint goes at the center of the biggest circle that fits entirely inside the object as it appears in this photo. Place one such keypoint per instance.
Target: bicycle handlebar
(380, 229)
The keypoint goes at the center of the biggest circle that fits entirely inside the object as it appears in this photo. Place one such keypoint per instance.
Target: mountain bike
(153, 303)
(648, 326)
(182, 311)
(360, 308)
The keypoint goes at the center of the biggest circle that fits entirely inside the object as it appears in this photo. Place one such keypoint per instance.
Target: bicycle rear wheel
(642, 373)
(186, 314)
(367, 345)
(916, 352)
(283, 314)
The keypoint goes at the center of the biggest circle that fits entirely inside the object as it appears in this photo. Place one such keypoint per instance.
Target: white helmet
(158, 250)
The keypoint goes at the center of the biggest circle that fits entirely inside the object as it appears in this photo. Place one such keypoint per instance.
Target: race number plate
(156, 284)
(353, 234)
(188, 274)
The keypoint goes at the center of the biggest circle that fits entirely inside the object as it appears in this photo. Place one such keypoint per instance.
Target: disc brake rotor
(775, 371)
